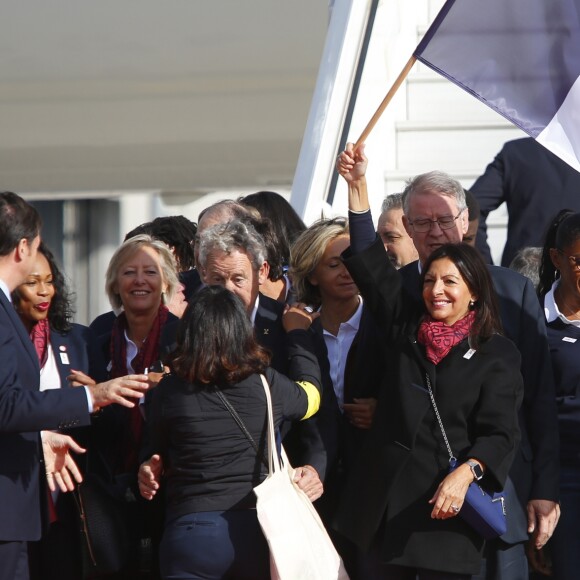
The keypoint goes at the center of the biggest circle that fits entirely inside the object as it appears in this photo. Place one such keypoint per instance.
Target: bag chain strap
(452, 458)
(240, 423)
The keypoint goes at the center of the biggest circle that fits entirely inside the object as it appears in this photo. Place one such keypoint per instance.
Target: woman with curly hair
(43, 303)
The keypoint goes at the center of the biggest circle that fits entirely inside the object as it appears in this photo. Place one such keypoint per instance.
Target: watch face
(476, 469)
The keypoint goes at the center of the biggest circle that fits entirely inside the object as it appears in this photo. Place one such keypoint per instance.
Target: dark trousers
(503, 562)
(564, 545)
(371, 567)
(57, 556)
(14, 561)
(393, 572)
(215, 545)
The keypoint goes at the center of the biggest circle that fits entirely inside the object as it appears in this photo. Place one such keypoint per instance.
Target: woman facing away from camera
(402, 504)
(211, 467)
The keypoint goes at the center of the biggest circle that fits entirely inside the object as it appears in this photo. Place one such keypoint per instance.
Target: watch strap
(475, 469)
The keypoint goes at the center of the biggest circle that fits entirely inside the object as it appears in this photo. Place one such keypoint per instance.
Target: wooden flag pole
(375, 118)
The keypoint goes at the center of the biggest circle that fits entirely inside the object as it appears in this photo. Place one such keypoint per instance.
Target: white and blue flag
(519, 57)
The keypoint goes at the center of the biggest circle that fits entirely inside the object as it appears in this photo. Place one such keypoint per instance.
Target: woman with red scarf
(402, 506)
(44, 306)
(140, 281)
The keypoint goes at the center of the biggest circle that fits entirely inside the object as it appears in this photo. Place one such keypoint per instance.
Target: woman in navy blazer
(559, 293)
(43, 304)
(141, 280)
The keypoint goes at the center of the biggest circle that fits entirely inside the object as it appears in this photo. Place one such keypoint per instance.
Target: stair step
(431, 96)
(453, 147)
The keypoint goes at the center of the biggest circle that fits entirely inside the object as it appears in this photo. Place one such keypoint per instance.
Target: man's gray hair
(393, 201)
(527, 262)
(434, 181)
(225, 211)
(229, 237)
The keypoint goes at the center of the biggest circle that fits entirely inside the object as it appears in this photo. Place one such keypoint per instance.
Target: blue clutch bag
(484, 512)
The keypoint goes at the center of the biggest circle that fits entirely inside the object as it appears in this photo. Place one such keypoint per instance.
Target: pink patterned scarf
(439, 338)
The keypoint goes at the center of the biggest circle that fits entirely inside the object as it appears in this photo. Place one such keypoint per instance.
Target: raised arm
(352, 166)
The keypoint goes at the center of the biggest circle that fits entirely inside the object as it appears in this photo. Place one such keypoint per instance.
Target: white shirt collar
(132, 352)
(5, 289)
(354, 321)
(255, 310)
(551, 309)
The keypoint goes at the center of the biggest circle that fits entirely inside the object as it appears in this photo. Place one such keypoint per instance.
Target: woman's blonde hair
(306, 253)
(126, 250)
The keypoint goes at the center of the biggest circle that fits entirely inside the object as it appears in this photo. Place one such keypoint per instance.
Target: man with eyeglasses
(435, 214)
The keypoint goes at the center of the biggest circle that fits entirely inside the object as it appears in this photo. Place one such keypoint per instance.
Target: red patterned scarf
(147, 355)
(439, 338)
(40, 336)
(149, 351)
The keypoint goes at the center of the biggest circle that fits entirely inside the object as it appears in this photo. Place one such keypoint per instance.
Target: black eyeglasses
(574, 260)
(445, 223)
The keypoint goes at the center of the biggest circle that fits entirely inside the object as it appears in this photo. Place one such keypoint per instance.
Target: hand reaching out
(120, 391)
(61, 469)
(79, 379)
(149, 476)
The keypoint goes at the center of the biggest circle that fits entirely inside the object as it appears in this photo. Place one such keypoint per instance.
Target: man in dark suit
(534, 184)
(436, 213)
(24, 470)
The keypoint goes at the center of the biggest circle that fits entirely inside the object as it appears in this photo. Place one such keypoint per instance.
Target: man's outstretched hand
(61, 469)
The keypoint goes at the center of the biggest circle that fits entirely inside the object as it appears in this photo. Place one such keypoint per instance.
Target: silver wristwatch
(475, 469)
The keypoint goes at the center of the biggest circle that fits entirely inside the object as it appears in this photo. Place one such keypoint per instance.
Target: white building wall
(430, 123)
